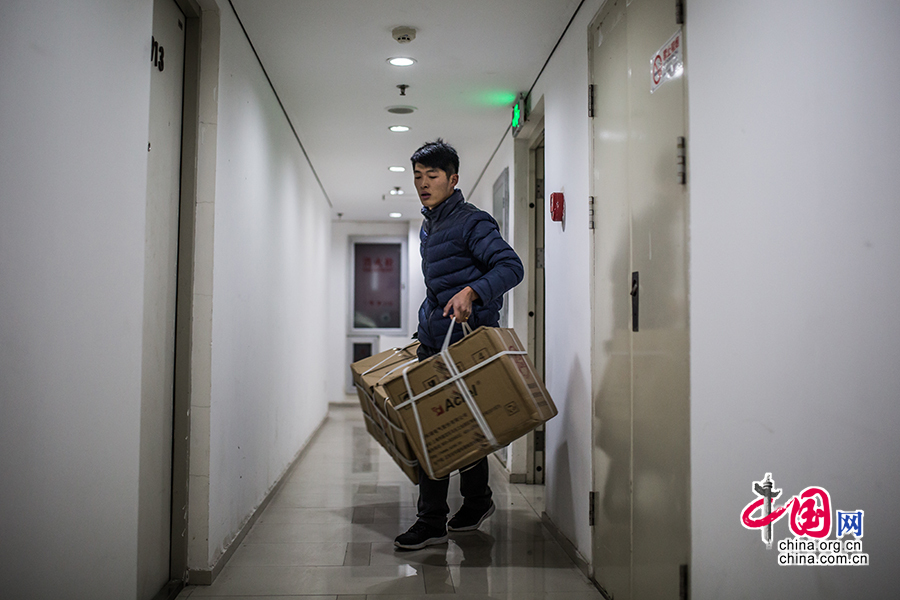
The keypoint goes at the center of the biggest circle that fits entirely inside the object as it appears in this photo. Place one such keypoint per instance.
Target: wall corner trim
(572, 552)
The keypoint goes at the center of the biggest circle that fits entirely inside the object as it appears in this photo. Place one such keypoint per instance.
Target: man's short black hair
(437, 155)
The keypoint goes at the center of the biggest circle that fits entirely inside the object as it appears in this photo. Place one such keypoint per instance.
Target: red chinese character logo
(772, 516)
(766, 492)
(811, 513)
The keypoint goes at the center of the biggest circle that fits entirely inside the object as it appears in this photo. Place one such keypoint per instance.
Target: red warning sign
(668, 63)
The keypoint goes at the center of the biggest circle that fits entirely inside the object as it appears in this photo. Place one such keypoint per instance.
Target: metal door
(611, 337)
(534, 441)
(640, 350)
(166, 63)
(660, 474)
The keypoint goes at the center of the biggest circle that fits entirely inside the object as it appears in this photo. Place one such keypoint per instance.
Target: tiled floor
(328, 535)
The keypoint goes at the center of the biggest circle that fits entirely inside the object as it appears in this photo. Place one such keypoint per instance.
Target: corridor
(209, 210)
(328, 535)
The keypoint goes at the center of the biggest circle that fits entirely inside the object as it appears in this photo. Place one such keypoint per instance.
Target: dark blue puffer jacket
(461, 245)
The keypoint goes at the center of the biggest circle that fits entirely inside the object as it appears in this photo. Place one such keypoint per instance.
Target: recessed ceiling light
(402, 61)
(395, 215)
(397, 169)
(399, 128)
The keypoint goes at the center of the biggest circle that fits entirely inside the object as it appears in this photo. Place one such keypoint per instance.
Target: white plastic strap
(453, 379)
(395, 352)
(395, 453)
(415, 411)
(466, 331)
(398, 367)
(461, 386)
(457, 378)
(391, 423)
(378, 409)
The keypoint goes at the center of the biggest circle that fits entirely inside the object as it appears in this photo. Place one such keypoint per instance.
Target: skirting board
(170, 591)
(572, 552)
(347, 404)
(207, 576)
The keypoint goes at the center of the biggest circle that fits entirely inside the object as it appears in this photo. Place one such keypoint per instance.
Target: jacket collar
(444, 208)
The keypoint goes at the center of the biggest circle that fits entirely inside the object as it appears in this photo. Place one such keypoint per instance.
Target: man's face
(433, 185)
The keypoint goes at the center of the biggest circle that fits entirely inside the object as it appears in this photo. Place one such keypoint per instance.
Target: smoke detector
(404, 35)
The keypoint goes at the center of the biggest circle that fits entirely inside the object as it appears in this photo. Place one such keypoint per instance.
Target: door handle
(635, 299)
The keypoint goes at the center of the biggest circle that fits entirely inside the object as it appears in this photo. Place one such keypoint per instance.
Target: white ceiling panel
(328, 62)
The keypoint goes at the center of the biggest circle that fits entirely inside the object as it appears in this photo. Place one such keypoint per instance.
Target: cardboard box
(490, 369)
(396, 441)
(382, 421)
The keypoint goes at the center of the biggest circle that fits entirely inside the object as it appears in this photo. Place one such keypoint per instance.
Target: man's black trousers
(473, 483)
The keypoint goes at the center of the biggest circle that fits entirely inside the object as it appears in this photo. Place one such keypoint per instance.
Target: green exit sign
(518, 115)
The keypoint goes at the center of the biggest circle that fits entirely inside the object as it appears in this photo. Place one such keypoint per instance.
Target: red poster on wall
(377, 286)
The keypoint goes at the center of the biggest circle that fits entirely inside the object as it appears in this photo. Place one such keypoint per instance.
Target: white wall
(74, 112)
(270, 282)
(518, 237)
(74, 104)
(483, 197)
(416, 279)
(794, 278)
(795, 274)
(563, 87)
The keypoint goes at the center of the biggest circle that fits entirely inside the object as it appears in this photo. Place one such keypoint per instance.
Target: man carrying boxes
(467, 267)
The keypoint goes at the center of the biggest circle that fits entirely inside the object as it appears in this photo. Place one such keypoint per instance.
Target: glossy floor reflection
(328, 535)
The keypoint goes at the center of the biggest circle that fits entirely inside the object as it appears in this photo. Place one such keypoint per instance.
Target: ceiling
(327, 60)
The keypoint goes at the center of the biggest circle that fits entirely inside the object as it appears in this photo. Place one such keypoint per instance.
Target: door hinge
(682, 160)
(592, 498)
(591, 100)
(539, 188)
(539, 437)
(679, 12)
(591, 212)
(538, 258)
(683, 583)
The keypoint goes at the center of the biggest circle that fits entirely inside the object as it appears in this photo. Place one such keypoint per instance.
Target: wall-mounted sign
(518, 115)
(667, 63)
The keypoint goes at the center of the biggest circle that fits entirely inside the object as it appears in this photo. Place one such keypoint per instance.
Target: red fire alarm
(557, 206)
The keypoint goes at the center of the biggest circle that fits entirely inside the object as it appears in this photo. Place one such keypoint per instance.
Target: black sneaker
(419, 536)
(469, 520)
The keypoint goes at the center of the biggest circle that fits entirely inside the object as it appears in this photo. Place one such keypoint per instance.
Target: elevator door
(166, 64)
(640, 337)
